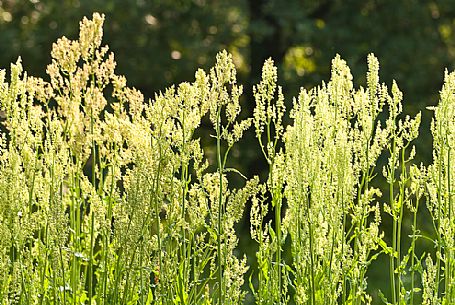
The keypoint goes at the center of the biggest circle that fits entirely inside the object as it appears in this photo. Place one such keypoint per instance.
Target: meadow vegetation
(106, 198)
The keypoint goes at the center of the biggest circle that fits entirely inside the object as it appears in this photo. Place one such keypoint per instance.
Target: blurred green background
(159, 43)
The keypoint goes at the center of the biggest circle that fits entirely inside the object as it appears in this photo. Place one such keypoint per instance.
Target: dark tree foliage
(157, 43)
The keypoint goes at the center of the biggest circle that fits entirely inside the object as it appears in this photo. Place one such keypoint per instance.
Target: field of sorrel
(106, 198)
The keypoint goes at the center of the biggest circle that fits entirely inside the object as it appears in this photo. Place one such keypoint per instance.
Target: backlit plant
(109, 198)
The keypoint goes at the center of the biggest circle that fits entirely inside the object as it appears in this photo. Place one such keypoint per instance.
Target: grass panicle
(109, 198)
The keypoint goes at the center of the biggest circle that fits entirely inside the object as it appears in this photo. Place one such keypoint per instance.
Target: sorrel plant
(108, 198)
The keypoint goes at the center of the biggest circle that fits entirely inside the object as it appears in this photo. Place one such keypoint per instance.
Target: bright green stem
(310, 225)
(154, 193)
(107, 236)
(278, 237)
(220, 206)
(399, 225)
(184, 257)
(90, 273)
(276, 199)
(44, 261)
(343, 292)
(438, 233)
(414, 230)
(183, 179)
(394, 225)
(400, 220)
(448, 267)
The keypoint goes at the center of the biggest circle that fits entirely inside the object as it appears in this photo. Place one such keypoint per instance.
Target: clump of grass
(438, 283)
(106, 198)
(268, 121)
(401, 133)
(331, 151)
(111, 197)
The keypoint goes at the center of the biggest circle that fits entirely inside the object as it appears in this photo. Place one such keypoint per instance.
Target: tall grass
(440, 189)
(106, 198)
(268, 121)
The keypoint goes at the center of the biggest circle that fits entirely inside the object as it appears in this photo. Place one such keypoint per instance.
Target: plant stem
(400, 220)
(183, 179)
(276, 202)
(90, 273)
(414, 226)
(220, 204)
(310, 225)
(448, 267)
(394, 225)
(343, 292)
(154, 193)
(278, 237)
(438, 233)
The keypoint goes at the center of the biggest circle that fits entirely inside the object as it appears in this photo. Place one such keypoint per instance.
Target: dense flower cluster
(106, 198)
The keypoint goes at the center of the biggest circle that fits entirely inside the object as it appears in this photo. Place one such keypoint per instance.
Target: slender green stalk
(438, 228)
(394, 224)
(107, 237)
(310, 227)
(183, 180)
(155, 199)
(91, 257)
(279, 248)
(158, 225)
(63, 287)
(92, 216)
(343, 285)
(400, 220)
(220, 205)
(448, 268)
(44, 261)
(413, 242)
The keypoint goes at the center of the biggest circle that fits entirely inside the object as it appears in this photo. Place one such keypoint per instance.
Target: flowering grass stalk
(230, 131)
(106, 216)
(268, 117)
(108, 199)
(331, 150)
(401, 133)
(440, 204)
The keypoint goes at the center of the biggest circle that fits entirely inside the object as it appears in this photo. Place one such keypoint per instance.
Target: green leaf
(387, 250)
(149, 297)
